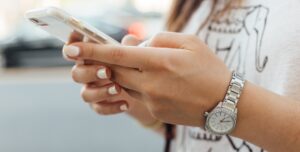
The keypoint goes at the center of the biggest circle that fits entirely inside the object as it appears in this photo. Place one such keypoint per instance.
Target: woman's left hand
(177, 75)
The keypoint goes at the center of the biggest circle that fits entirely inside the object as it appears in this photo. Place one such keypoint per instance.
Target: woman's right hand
(104, 96)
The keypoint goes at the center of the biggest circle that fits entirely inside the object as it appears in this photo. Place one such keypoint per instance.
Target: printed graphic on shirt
(197, 134)
(240, 145)
(237, 145)
(230, 35)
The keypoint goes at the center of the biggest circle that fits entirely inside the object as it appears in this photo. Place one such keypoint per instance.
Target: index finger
(128, 56)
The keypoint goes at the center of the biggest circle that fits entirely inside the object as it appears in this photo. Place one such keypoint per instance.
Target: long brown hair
(182, 10)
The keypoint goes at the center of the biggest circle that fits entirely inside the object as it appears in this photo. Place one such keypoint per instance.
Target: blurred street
(40, 107)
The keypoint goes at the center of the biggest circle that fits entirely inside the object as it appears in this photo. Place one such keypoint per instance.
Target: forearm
(268, 120)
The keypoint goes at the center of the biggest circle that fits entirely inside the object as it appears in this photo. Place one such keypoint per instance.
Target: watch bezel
(233, 114)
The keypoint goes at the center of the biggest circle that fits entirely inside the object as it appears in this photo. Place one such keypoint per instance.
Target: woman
(182, 79)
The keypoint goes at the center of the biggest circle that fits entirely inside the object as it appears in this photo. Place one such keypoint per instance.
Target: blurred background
(40, 107)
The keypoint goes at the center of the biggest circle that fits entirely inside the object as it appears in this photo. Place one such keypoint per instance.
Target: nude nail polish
(71, 51)
(113, 90)
(124, 107)
(102, 74)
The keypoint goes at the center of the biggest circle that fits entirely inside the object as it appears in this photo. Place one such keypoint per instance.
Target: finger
(134, 94)
(91, 62)
(131, 40)
(99, 94)
(75, 37)
(144, 44)
(129, 56)
(127, 77)
(70, 58)
(110, 108)
(99, 83)
(174, 40)
(90, 73)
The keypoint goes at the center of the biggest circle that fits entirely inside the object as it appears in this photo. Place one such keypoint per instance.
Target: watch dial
(221, 122)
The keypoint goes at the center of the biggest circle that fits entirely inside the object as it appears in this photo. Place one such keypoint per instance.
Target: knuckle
(117, 54)
(74, 73)
(162, 35)
(90, 73)
(84, 95)
(192, 38)
(103, 110)
(99, 109)
(168, 63)
(157, 38)
(101, 94)
(94, 95)
(189, 42)
(89, 51)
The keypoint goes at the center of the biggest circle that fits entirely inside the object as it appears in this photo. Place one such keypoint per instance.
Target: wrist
(266, 119)
(222, 87)
(215, 95)
(222, 118)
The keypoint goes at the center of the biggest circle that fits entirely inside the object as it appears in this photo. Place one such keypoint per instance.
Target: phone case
(63, 26)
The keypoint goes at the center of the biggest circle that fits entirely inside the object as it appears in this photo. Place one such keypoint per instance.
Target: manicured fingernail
(66, 57)
(124, 107)
(102, 74)
(71, 51)
(144, 44)
(113, 90)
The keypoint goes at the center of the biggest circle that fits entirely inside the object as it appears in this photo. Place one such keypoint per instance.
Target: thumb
(131, 40)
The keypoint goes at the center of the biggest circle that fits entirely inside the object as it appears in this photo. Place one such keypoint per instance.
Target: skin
(176, 79)
(91, 83)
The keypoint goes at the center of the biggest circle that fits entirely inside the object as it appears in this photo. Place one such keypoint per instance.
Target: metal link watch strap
(235, 89)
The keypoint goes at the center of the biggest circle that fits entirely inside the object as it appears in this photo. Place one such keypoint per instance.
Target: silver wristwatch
(222, 119)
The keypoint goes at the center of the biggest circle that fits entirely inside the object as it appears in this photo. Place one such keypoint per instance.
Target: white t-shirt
(261, 39)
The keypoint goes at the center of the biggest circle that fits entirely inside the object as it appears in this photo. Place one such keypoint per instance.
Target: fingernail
(143, 44)
(102, 74)
(66, 57)
(124, 107)
(71, 51)
(113, 90)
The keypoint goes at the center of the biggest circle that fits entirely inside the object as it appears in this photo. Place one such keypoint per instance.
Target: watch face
(221, 121)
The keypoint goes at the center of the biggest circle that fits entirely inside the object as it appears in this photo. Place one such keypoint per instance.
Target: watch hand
(226, 121)
(222, 119)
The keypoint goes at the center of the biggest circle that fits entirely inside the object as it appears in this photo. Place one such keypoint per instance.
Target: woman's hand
(104, 96)
(179, 79)
(177, 76)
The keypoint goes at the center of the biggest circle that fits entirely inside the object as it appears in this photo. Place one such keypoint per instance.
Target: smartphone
(64, 26)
